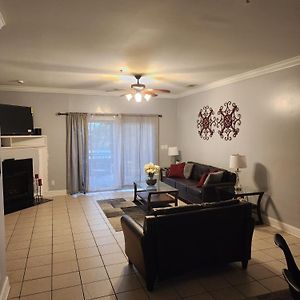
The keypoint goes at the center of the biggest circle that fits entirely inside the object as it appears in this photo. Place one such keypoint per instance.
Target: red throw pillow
(176, 170)
(202, 180)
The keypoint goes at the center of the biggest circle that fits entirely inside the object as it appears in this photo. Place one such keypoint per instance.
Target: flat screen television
(15, 120)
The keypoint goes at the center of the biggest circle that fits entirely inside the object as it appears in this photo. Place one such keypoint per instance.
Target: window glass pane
(118, 150)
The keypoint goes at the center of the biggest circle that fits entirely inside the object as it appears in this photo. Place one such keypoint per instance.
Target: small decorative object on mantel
(151, 169)
(205, 122)
(228, 121)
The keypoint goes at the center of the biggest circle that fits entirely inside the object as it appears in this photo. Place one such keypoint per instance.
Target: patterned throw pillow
(187, 171)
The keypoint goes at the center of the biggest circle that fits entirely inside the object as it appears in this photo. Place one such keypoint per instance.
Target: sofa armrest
(129, 224)
(163, 172)
(133, 235)
(139, 250)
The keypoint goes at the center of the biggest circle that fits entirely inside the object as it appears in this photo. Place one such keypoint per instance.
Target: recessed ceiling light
(20, 81)
(123, 69)
(191, 85)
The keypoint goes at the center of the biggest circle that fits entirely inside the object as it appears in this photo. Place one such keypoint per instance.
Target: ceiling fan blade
(114, 90)
(159, 90)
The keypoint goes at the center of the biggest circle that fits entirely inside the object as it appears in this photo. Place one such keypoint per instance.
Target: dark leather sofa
(178, 239)
(190, 193)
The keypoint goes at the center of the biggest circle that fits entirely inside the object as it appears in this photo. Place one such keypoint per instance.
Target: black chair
(292, 274)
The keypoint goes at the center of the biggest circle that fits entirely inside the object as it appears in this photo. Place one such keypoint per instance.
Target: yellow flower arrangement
(151, 169)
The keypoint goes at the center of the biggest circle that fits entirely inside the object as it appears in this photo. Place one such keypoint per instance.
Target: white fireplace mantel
(28, 146)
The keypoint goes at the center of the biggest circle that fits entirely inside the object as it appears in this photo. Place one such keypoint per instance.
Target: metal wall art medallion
(228, 121)
(205, 122)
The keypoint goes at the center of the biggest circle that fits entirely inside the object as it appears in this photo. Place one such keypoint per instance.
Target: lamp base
(237, 186)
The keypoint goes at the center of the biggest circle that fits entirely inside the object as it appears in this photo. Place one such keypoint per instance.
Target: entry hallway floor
(67, 249)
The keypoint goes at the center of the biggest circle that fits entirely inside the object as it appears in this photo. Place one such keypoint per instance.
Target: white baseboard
(56, 193)
(5, 289)
(283, 226)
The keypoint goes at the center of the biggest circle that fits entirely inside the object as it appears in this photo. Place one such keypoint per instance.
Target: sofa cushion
(212, 178)
(181, 184)
(176, 170)
(187, 182)
(170, 181)
(174, 210)
(198, 170)
(187, 171)
(194, 191)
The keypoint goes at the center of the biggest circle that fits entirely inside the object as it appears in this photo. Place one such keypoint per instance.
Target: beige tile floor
(66, 249)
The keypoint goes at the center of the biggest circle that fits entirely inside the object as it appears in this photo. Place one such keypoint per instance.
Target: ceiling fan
(138, 91)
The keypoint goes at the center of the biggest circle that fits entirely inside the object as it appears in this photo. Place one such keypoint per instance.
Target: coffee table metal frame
(160, 193)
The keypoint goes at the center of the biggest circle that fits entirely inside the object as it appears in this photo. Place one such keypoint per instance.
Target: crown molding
(281, 65)
(34, 89)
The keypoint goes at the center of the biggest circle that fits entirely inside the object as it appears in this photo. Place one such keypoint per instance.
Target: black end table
(245, 192)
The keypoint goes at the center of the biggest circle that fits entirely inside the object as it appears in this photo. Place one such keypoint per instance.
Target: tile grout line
(81, 283)
(97, 248)
(23, 279)
(111, 230)
(13, 231)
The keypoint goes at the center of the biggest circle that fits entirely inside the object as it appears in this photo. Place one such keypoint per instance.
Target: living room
(256, 67)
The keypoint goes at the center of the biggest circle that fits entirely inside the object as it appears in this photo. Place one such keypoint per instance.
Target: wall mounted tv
(15, 120)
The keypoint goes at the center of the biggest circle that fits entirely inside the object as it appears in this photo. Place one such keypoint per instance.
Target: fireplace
(17, 184)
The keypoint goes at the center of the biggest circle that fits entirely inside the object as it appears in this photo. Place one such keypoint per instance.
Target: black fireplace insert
(17, 184)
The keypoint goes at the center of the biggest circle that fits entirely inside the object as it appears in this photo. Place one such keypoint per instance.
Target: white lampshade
(173, 151)
(237, 161)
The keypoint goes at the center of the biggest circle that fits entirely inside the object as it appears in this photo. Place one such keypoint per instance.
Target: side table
(246, 192)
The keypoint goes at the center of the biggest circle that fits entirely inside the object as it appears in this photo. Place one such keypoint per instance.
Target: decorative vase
(151, 181)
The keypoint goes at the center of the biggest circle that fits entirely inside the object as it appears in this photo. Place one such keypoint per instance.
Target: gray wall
(269, 137)
(45, 106)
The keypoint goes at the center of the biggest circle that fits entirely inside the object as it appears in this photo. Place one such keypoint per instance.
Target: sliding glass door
(118, 149)
(103, 153)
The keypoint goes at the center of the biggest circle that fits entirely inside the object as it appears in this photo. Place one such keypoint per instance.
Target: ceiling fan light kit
(138, 91)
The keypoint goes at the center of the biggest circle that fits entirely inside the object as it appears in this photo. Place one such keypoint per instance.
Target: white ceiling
(82, 44)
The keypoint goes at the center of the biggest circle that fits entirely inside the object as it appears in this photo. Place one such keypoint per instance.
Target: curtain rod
(103, 114)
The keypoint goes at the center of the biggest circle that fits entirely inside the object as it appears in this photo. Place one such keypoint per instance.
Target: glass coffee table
(157, 195)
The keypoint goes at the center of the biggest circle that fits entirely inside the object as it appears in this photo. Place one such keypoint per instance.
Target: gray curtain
(77, 153)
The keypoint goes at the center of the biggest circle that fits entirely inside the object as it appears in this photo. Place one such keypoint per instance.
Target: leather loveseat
(190, 193)
(178, 239)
